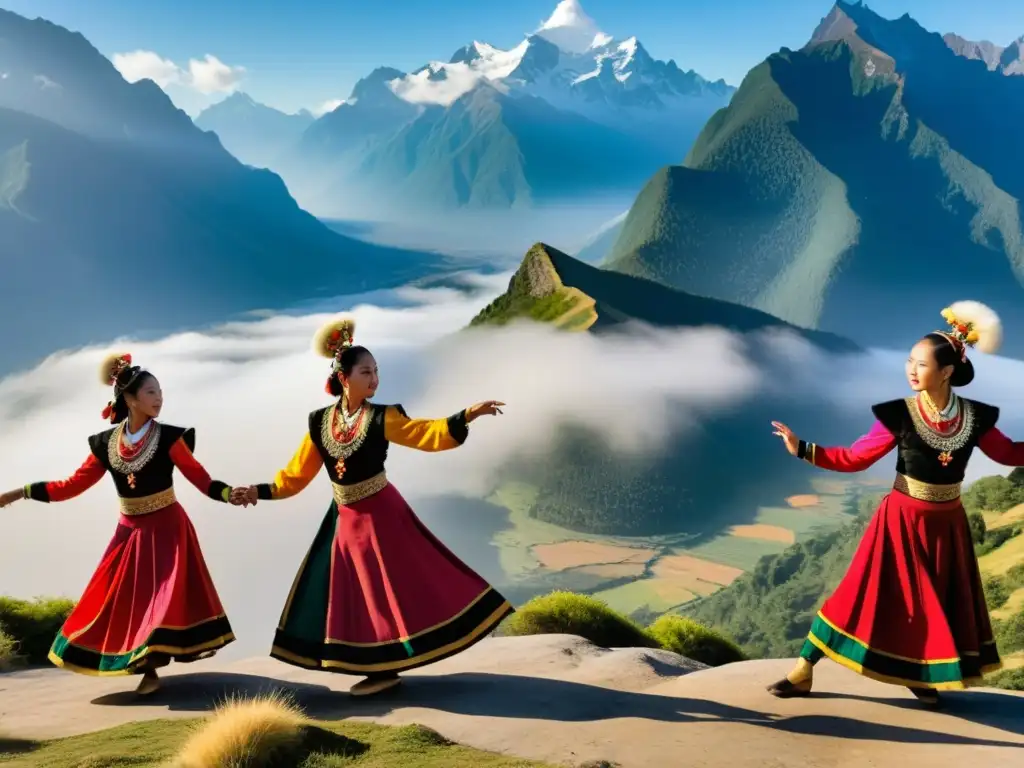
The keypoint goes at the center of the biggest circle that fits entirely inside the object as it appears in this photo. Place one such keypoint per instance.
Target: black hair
(128, 383)
(350, 357)
(947, 353)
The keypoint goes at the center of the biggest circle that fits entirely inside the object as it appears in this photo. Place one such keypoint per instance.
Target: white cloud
(142, 65)
(328, 106)
(443, 83)
(211, 75)
(207, 76)
(248, 387)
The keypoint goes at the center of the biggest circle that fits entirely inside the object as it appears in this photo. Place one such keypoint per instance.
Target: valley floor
(661, 573)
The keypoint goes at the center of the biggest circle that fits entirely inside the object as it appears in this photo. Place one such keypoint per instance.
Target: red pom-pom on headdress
(110, 371)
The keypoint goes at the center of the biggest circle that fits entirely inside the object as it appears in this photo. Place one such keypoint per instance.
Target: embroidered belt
(926, 491)
(350, 494)
(143, 505)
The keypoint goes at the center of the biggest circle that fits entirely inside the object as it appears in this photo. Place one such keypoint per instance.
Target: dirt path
(560, 699)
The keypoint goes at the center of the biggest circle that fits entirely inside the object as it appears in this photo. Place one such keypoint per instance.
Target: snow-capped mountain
(570, 111)
(571, 63)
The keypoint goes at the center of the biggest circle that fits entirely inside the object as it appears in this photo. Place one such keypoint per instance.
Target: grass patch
(695, 640)
(572, 614)
(736, 551)
(254, 734)
(658, 595)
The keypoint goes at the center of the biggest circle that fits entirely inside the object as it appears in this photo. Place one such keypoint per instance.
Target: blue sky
(306, 52)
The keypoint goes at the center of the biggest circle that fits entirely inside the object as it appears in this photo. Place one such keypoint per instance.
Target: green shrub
(694, 640)
(1015, 576)
(1010, 633)
(995, 494)
(572, 614)
(34, 624)
(997, 592)
(978, 527)
(995, 538)
(8, 651)
(1009, 679)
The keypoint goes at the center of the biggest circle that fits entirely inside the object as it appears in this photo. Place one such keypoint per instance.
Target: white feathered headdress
(973, 324)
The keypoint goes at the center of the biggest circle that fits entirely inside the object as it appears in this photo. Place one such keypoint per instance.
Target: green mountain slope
(843, 174)
(490, 149)
(690, 485)
(551, 286)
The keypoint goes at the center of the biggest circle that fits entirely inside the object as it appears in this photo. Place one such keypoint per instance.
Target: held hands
(486, 408)
(791, 441)
(243, 496)
(10, 497)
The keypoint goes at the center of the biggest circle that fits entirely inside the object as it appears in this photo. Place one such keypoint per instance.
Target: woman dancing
(377, 593)
(910, 610)
(151, 600)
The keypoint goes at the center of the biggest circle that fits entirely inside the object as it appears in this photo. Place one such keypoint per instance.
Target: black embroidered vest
(152, 471)
(362, 457)
(923, 454)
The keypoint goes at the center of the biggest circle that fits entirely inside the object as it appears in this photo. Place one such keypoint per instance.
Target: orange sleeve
(196, 474)
(430, 435)
(85, 477)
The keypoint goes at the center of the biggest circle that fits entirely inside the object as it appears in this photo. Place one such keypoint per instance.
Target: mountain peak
(571, 29)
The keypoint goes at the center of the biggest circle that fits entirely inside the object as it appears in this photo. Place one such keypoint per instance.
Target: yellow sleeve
(299, 473)
(424, 434)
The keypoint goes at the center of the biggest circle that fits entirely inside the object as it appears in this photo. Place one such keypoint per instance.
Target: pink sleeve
(1002, 449)
(859, 456)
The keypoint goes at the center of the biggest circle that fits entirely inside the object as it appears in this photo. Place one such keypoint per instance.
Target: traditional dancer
(377, 593)
(910, 609)
(151, 600)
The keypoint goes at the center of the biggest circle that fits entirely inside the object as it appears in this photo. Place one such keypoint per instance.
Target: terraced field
(657, 573)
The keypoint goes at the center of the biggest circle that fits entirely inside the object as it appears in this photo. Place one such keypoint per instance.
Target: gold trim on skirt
(926, 491)
(143, 505)
(350, 494)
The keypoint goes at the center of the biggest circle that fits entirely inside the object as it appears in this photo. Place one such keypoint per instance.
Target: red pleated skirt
(379, 593)
(911, 609)
(150, 600)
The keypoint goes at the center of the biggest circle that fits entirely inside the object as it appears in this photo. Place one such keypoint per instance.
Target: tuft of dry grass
(245, 733)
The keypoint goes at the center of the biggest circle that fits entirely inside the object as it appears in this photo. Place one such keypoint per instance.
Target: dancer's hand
(791, 441)
(244, 496)
(486, 408)
(10, 497)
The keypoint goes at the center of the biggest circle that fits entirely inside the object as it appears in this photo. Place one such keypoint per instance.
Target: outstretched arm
(1002, 449)
(196, 474)
(299, 473)
(425, 434)
(85, 477)
(862, 454)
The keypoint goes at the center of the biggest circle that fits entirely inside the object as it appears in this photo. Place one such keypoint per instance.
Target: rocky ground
(561, 699)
